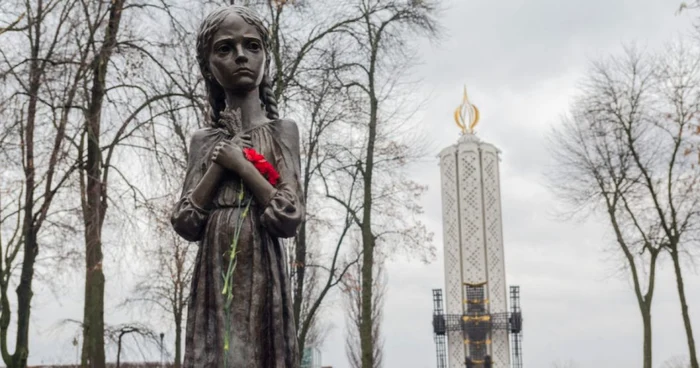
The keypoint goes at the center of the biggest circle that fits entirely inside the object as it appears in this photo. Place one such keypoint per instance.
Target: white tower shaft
(473, 240)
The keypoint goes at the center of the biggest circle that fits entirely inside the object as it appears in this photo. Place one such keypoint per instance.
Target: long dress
(262, 333)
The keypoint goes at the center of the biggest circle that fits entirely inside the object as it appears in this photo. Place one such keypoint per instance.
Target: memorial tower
(476, 322)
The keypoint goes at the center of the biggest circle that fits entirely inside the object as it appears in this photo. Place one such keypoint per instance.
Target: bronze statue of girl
(226, 199)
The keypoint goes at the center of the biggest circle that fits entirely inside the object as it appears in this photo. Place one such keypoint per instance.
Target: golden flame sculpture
(466, 115)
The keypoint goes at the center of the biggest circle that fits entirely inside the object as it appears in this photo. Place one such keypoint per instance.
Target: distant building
(311, 358)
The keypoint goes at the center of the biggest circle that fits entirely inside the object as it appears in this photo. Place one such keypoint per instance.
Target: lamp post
(77, 350)
(161, 349)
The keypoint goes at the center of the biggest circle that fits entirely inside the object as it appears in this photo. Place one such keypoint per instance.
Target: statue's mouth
(242, 71)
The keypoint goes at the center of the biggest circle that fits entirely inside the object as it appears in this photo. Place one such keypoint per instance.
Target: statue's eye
(223, 49)
(254, 46)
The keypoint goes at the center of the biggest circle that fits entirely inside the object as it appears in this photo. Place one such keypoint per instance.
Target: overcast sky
(521, 60)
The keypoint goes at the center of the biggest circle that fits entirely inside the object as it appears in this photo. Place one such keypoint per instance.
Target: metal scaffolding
(475, 326)
(439, 328)
(516, 331)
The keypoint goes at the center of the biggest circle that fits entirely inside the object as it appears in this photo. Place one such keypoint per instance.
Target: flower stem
(228, 275)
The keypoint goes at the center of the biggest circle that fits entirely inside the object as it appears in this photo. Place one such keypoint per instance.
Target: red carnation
(262, 165)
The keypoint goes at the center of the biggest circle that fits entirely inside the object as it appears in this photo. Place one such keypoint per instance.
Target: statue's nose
(241, 58)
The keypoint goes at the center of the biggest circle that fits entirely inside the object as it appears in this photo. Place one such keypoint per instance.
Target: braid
(215, 94)
(217, 99)
(267, 96)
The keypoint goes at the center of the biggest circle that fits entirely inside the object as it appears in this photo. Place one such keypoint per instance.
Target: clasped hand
(229, 153)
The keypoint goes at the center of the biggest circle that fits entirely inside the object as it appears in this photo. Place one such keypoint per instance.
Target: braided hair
(215, 93)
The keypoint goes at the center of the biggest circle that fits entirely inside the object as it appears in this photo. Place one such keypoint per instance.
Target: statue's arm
(258, 185)
(203, 194)
(285, 210)
(191, 212)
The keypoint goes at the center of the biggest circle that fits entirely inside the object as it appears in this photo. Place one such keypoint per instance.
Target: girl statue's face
(237, 55)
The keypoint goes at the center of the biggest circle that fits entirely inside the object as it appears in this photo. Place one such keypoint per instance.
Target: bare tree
(166, 284)
(352, 295)
(623, 152)
(672, 177)
(595, 170)
(326, 110)
(121, 110)
(144, 335)
(93, 187)
(43, 69)
(380, 43)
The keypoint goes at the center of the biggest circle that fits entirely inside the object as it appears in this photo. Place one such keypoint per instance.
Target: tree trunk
(31, 248)
(684, 308)
(93, 216)
(178, 340)
(366, 338)
(93, 320)
(646, 319)
(95, 205)
(366, 324)
(24, 298)
(644, 300)
(119, 350)
(299, 267)
(300, 259)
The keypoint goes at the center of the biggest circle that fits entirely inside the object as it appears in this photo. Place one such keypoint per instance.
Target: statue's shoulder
(202, 135)
(201, 141)
(288, 126)
(289, 131)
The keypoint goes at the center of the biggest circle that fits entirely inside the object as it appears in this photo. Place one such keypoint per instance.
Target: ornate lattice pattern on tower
(453, 275)
(453, 271)
(471, 213)
(494, 249)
